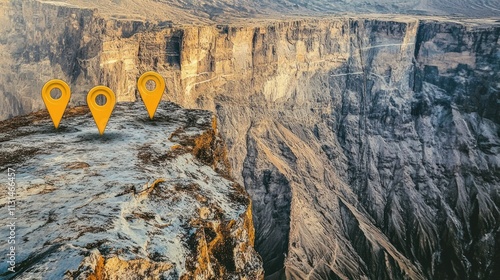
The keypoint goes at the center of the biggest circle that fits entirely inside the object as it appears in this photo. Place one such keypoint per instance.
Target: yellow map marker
(56, 107)
(101, 113)
(151, 98)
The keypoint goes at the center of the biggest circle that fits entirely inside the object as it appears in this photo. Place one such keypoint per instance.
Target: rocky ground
(147, 200)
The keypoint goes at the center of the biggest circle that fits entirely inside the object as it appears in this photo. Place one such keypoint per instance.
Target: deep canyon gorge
(369, 144)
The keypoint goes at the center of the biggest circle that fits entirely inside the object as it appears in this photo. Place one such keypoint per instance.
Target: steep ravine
(370, 145)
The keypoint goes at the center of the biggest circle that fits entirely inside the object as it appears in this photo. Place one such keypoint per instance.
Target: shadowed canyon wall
(369, 146)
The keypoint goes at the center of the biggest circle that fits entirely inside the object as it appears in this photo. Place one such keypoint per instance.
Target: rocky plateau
(148, 200)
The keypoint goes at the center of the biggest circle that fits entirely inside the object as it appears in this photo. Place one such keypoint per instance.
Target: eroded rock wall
(369, 147)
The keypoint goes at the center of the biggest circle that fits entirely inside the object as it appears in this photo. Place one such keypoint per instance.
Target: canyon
(369, 143)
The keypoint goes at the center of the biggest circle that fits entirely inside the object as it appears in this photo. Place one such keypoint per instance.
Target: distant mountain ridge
(222, 10)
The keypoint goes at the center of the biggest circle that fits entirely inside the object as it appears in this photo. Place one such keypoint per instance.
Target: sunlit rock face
(147, 200)
(370, 148)
(369, 144)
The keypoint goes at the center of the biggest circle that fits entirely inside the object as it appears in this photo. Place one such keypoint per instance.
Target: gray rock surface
(143, 201)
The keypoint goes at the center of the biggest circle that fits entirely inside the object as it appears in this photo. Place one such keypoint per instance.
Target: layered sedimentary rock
(147, 200)
(369, 145)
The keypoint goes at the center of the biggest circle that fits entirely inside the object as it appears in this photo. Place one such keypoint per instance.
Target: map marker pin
(56, 107)
(151, 98)
(101, 113)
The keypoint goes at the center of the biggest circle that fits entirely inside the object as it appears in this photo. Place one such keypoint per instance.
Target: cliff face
(369, 146)
(147, 200)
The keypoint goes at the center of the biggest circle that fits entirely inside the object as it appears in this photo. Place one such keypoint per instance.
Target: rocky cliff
(148, 200)
(369, 144)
